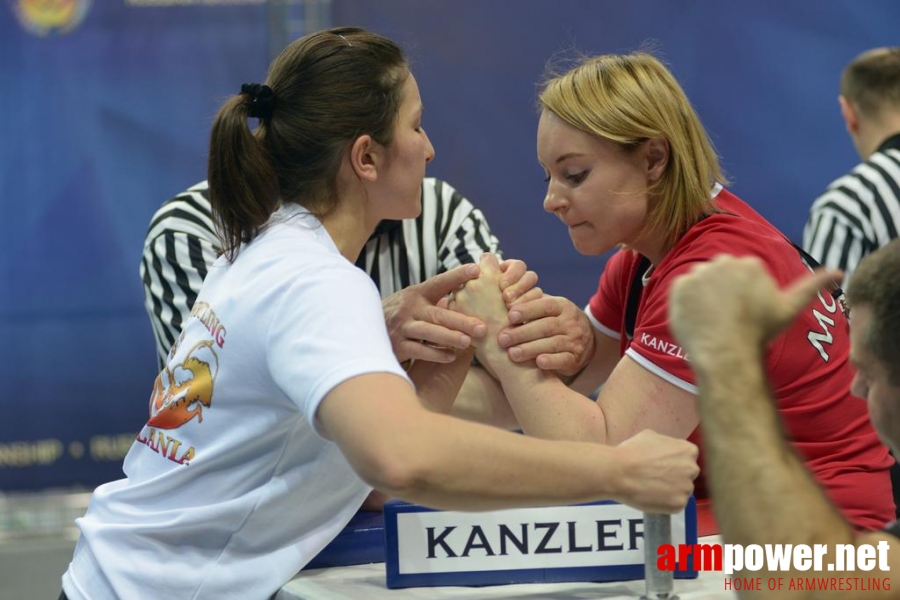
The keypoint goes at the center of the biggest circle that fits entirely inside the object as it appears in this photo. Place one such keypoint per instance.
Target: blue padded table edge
(360, 542)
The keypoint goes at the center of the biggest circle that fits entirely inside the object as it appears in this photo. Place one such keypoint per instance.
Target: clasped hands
(486, 303)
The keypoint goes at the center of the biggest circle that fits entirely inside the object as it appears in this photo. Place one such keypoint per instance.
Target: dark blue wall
(102, 123)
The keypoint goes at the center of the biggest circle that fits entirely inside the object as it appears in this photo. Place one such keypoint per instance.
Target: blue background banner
(106, 114)
(100, 125)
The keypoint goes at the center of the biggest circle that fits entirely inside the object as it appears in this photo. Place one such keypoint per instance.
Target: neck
(651, 246)
(871, 137)
(350, 224)
(348, 231)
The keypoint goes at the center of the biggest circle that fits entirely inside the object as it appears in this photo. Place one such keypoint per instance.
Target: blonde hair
(628, 99)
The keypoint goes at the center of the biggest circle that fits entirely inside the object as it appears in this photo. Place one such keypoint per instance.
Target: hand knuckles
(436, 317)
(553, 305)
(559, 344)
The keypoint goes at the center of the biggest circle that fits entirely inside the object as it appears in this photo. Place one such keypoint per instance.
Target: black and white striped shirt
(181, 244)
(858, 213)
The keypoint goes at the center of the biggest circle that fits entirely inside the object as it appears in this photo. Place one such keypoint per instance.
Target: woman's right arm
(558, 335)
(397, 446)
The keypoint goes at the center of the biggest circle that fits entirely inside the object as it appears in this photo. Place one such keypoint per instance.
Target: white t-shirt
(230, 489)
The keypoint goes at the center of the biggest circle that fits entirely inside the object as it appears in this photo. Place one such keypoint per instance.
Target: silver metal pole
(657, 531)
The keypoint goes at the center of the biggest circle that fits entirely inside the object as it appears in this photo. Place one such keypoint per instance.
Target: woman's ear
(365, 154)
(657, 153)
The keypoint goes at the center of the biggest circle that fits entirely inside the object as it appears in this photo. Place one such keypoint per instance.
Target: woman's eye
(547, 178)
(577, 178)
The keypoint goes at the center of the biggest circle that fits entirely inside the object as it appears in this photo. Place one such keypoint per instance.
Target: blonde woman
(630, 166)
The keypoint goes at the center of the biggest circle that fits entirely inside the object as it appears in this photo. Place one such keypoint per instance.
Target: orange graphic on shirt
(180, 392)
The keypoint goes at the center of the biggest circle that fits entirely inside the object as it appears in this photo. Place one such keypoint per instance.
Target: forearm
(481, 400)
(543, 406)
(437, 384)
(763, 493)
(604, 356)
(441, 461)
(521, 471)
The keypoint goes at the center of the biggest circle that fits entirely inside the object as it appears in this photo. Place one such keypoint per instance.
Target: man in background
(860, 212)
(724, 313)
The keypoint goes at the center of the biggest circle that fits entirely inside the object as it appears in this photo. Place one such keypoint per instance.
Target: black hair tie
(262, 100)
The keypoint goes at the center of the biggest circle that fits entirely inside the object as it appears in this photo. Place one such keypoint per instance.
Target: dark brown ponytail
(242, 180)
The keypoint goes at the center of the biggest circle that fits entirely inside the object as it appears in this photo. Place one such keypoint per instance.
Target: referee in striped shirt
(860, 212)
(181, 244)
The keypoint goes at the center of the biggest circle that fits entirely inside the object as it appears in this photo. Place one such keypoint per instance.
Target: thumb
(489, 262)
(442, 284)
(800, 292)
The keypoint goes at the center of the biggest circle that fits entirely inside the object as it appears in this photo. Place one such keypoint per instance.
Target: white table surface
(368, 582)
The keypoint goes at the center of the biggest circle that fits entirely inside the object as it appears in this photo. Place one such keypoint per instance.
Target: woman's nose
(429, 149)
(553, 201)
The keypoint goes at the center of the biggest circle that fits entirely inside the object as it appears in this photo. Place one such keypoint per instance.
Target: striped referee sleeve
(179, 246)
(857, 214)
(829, 239)
(462, 233)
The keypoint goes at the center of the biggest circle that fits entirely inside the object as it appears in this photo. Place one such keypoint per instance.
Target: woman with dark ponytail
(282, 402)
(320, 93)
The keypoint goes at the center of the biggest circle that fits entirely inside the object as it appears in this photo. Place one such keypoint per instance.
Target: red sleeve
(606, 308)
(653, 345)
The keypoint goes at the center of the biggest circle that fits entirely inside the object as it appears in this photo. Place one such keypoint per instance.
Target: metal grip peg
(657, 531)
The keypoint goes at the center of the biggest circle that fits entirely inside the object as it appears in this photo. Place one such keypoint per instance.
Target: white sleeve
(328, 328)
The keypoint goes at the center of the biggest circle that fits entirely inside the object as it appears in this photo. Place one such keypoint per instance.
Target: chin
(590, 247)
(416, 210)
(415, 203)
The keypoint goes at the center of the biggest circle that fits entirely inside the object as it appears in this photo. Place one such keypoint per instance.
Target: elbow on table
(397, 473)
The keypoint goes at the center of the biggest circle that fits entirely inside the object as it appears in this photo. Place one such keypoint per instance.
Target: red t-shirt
(808, 365)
